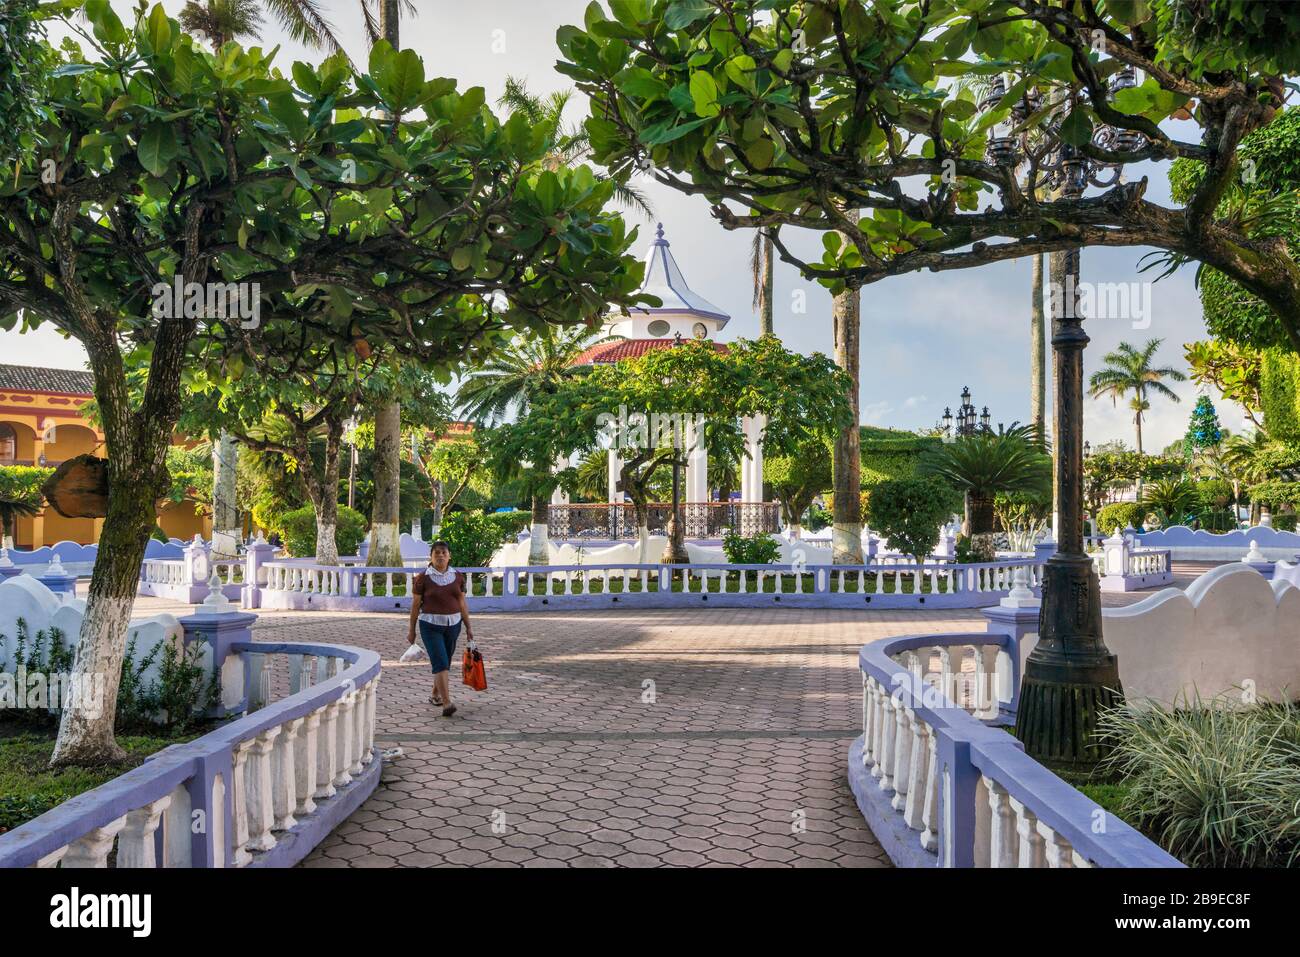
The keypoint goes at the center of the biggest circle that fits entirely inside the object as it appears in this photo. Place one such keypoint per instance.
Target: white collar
(440, 578)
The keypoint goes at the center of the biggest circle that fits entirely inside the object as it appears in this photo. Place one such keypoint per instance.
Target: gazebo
(684, 314)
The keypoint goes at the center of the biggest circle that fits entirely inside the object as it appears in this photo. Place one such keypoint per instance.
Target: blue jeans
(440, 643)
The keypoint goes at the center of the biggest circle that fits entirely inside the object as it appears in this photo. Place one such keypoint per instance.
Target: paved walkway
(623, 738)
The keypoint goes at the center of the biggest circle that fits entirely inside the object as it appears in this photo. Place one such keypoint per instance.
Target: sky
(924, 336)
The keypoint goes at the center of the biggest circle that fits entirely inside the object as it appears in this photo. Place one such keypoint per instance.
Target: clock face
(700, 330)
(201, 567)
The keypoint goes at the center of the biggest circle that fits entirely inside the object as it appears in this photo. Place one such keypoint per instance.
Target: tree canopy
(798, 112)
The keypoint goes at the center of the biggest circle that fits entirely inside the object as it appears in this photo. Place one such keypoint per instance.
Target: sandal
(435, 701)
(448, 711)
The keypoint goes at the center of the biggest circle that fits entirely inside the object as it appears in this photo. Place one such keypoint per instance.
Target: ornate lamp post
(1070, 676)
(968, 422)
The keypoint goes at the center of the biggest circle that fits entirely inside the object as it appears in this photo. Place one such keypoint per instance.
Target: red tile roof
(611, 352)
(40, 379)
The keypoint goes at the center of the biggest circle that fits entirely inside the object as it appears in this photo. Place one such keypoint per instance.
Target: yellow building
(41, 424)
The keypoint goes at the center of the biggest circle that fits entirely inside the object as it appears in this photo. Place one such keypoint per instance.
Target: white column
(697, 466)
(615, 467)
(751, 477)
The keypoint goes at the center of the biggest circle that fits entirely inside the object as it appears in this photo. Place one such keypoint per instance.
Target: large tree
(162, 163)
(833, 105)
(803, 398)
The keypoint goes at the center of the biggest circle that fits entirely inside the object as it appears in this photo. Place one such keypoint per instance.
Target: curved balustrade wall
(300, 586)
(942, 785)
(261, 791)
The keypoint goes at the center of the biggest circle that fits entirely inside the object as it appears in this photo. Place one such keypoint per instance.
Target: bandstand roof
(664, 279)
(620, 349)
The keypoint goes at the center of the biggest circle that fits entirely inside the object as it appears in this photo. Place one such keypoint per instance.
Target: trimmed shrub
(761, 549)
(472, 538)
(909, 512)
(1286, 522)
(889, 454)
(1120, 515)
(1213, 494)
(298, 529)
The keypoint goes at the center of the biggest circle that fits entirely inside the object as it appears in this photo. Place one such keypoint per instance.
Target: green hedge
(1286, 522)
(298, 529)
(1120, 515)
(888, 454)
(909, 512)
(509, 524)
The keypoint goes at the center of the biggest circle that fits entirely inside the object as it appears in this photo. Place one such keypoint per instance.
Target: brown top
(438, 599)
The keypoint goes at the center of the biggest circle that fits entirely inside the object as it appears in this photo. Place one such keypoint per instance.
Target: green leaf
(1077, 128)
(705, 94)
(682, 13)
(160, 30)
(157, 147)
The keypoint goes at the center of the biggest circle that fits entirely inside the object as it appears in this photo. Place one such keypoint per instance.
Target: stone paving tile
(629, 738)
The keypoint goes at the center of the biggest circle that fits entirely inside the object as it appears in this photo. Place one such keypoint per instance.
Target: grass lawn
(28, 788)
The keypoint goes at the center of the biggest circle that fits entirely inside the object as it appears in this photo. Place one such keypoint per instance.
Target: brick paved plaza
(622, 738)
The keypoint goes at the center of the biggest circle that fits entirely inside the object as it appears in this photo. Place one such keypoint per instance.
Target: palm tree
(1128, 369)
(1172, 499)
(984, 464)
(569, 142)
(761, 263)
(506, 385)
(12, 509)
(1246, 460)
(224, 20)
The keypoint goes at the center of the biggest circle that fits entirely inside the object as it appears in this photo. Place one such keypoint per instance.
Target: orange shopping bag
(472, 666)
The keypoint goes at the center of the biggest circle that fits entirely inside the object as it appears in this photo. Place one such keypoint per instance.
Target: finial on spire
(659, 230)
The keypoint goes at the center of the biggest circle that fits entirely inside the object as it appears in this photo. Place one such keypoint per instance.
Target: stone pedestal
(259, 553)
(59, 580)
(221, 629)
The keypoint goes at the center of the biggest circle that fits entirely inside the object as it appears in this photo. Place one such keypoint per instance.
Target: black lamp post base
(1057, 717)
(1070, 676)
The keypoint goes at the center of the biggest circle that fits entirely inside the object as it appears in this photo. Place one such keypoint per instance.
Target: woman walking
(438, 605)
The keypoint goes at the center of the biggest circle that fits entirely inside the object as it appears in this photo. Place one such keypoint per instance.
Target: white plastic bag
(414, 652)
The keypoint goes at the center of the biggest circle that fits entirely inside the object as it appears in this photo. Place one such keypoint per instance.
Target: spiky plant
(1172, 499)
(984, 464)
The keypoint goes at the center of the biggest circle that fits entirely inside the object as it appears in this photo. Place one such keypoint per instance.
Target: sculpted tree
(175, 198)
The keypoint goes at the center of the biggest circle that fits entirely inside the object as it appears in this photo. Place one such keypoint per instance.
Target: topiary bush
(472, 538)
(909, 512)
(1120, 515)
(761, 549)
(509, 524)
(1217, 520)
(1286, 522)
(298, 529)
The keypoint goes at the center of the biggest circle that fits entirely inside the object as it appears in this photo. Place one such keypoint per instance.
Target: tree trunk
(385, 542)
(137, 440)
(225, 510)
(642, 531)
(979, 510)
(539, 552)
(846, 536)
(766, 288)
(324, 493)
(1038, 351)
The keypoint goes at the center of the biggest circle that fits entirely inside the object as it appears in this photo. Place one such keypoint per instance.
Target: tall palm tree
(1037, 349)
(761, 263)
(984, 464)
(569, 142)
(508, 382)
(1128, 370)
(224, 20)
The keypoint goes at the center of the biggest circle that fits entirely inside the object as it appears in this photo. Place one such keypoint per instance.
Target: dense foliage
(298, 529)
(761, 549)
(908, 512)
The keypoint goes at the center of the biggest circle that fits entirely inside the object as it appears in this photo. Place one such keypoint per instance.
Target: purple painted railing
(260, 791)
(942, 784)
(885, 584)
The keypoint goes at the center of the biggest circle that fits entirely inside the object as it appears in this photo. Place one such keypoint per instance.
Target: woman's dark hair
(439, 544)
